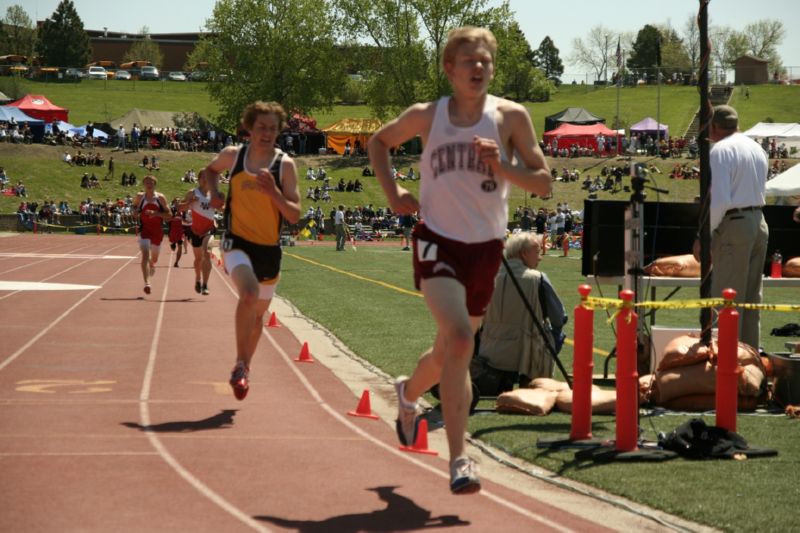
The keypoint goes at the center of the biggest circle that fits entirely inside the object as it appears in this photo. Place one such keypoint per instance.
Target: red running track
(117, 416)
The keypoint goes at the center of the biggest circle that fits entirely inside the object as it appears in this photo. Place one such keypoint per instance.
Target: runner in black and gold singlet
(263, 192)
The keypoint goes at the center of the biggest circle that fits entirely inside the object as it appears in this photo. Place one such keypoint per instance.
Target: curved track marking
(144, 415)
(393, 450)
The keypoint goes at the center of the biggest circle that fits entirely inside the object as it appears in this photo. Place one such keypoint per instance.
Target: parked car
(97, 73)
(198, 75)
(123, 75)
(149, 73)
(176, 76)
(74, 73)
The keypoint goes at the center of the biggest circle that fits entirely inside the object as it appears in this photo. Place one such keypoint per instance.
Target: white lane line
(28, 265)
(77, 454)
(144, 415)
(392, 449)
(42, 286)
(55, 322)
(63, 256)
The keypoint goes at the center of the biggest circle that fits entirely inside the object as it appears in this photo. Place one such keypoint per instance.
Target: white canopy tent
(779, 130)
(785, 184)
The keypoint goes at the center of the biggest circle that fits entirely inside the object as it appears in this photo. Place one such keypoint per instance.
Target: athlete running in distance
(262, 192)
(466, 173)
(151, 209)
(202, 202)
(176, 231)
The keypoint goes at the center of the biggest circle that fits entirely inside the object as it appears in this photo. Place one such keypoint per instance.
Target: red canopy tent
(40, 107)
(585, 136)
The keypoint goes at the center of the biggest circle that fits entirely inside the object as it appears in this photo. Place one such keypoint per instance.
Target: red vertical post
(727, 392)
(582, 366)
(627, 376)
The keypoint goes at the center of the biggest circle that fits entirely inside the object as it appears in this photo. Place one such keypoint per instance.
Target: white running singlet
(459, 196)
(202, 213)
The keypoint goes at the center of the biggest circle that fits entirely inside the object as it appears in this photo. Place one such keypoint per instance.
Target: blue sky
(562, 22)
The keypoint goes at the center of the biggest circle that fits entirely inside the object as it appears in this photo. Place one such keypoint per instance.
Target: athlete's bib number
(427, 251)
(227, 244)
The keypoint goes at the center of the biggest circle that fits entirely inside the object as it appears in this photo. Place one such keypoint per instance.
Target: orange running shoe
(239, 380)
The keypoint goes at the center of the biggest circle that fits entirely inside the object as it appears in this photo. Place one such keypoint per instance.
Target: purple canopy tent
(649, 126)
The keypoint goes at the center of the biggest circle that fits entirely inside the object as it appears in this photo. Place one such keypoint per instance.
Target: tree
(62, 40)
(549, 61)
(727, 45)
(17, 34)
(393, 62)
(763, 38)
(272, 50)
(674, 58)
(691, 41)
(596, 52)
(204, 53)
(145, 49)
(646, 52)
(515, 63)
(408, 39)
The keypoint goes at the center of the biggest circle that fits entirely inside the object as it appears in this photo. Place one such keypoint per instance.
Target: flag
(619, 55)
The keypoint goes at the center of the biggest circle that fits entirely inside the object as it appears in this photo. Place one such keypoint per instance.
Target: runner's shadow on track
(222, 420)
(400, 514)
(135, 298)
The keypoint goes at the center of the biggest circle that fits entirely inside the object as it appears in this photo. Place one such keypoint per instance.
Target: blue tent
(63, 126)
(36, 125)
(8, 112)
(81, 130)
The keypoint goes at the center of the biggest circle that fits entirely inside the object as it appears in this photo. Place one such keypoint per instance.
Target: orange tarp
(351, 129)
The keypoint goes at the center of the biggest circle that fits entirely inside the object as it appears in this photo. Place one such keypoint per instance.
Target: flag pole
(619, 78)
(705, 172)
(658, 93)
(619, 84)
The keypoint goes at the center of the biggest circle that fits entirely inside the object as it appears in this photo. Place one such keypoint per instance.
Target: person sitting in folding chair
(510, 341)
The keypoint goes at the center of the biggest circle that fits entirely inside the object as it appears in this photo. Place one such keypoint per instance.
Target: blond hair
(468, 34)
(251, 112)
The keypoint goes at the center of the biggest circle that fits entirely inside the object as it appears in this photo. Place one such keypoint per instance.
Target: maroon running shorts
(474, 265)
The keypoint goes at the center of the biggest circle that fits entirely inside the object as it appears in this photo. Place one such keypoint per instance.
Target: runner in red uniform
(151, 208)
(176, 231)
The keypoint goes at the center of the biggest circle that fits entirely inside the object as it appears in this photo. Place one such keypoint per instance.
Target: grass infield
(388, 324)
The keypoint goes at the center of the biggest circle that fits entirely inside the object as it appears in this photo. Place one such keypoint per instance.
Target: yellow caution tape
(700, 303)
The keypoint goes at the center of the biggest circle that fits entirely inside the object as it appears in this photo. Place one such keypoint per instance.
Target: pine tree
(62, 39)
(549, 61)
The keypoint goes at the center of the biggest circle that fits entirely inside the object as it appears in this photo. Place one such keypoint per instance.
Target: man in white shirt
(338, 223)
(739, 232)
(121, 138)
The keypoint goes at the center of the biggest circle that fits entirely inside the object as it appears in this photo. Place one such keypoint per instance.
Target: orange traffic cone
(421, 444)
(273, 321)
(363, 410)
(305, 355)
